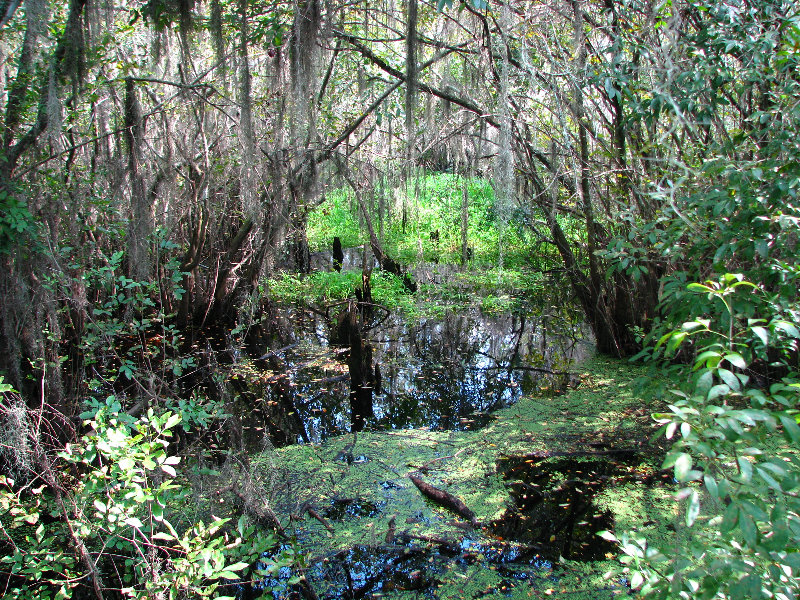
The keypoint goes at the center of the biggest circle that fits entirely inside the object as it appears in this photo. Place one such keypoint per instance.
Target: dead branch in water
(445, 499)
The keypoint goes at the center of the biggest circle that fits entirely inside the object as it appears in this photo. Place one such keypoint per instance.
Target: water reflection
(445, 374)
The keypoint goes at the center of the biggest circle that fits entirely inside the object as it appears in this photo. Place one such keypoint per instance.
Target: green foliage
(735, 460)
(130, 331)
(15, 221)
(390, 291)
(125, 506)
(433, 205)
(325, 287)
(335, 217)
(494, 291)
(319, 287)
(729, 219)
(118, 489)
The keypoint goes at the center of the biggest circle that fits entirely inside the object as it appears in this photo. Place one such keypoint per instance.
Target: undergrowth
(432, 228)
(494, 291)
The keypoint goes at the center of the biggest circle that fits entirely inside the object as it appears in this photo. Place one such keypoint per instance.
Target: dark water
(554, 505)
(448, 373)
(441, 374)
(412, 565)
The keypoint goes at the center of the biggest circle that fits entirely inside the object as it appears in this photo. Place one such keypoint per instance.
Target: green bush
(118, 493)
(736, 460)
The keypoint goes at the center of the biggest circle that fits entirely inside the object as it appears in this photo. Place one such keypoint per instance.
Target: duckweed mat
(543, 478)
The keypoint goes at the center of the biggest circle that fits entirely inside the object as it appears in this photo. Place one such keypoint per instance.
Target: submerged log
(444, 499)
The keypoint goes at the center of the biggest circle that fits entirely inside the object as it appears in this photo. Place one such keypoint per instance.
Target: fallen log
(444, 499)
(320, 518)
(405, 537)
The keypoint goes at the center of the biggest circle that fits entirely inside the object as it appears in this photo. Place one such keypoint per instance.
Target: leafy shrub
(117, 494)
(736, 459)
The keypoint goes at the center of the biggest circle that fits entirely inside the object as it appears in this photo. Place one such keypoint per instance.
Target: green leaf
(748, 528)
(745, 469)
(790, 428)
(134, 522)
(693, 508)
(608, 536)
(636, 580)
(691, 326)
(788, 328)
(710, 357)
(730, 379)
(730, 518)
(676, 340)
(662, 339)
(705, 381)
(770, 481)
(172, 421)
(717, 391)
(711, 486)
(762, 333)
(683, 464)
(736, 360)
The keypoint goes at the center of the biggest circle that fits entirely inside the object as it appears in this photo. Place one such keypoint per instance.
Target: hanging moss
(411, 67)
(305, 39)
(215, 29)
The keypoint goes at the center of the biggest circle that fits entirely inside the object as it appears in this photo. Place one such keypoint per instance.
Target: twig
(424, 467)
(445, 499)
(313, 513)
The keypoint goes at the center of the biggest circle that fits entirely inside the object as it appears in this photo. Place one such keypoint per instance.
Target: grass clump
(325, 287)
(319, 287)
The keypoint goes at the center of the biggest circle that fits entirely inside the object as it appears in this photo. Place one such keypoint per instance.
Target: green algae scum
(543, 478)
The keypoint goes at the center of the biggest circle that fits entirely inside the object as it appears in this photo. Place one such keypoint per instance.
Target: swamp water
(445, 374)
(449, 408)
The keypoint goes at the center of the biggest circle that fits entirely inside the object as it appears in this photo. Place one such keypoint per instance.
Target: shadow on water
(554, 503)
